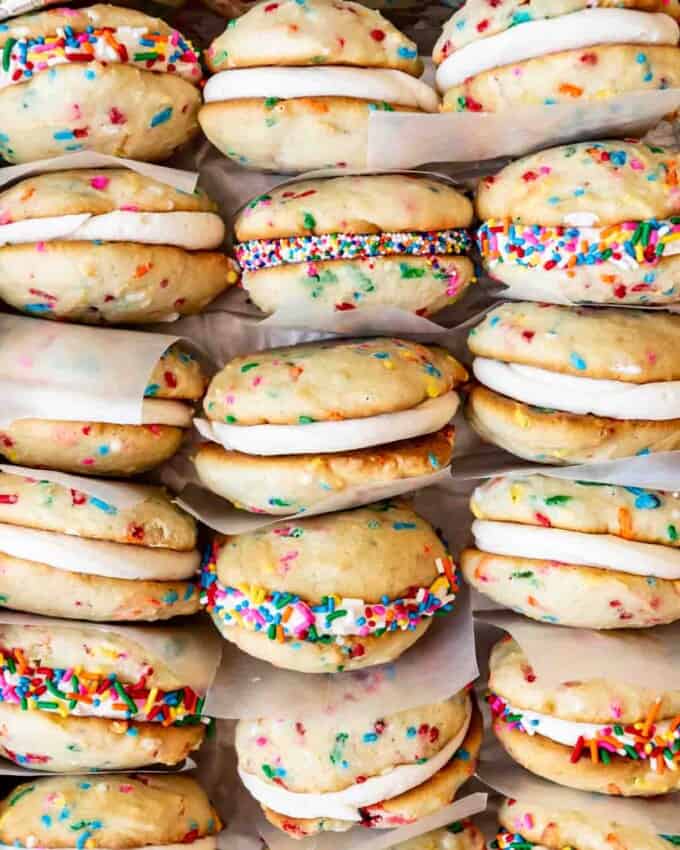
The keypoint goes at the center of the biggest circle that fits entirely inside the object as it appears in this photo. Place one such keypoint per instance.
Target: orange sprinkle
(651, 717)
(625, 525)
(594, 754)
(572, 91)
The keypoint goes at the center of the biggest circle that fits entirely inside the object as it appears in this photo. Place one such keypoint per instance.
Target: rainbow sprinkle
(285, 616)
(22, 58)
(628, 244)
(75, 691)
(259, 254)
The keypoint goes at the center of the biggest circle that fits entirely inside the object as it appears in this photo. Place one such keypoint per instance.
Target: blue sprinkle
(90, 75)
(162, 116)
(170, 597)
(103, 450)
(403, 526)
(64, 135)
(577, 361)
(189, 592)
(370, 738)
(46, 820)
(407, 52)
(411, 732)
(641, 58)
(151, 390)
(103, 506)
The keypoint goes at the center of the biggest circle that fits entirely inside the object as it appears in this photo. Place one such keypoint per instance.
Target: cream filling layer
(195, 231)
(97, 557)
(567, 732)
(577, 548)
(372, 84)
(657, 401)
(586, 28)
(338, 436)
(345, 805)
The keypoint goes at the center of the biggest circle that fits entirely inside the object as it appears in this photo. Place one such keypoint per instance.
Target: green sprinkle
(54, 690)
(248, 366)
(143, 57)
(271, 632)
(336, 615)
(120, 690)
(309, 221)
(48, 705)
(672, 533)
(230, 419)
(558, 500)
(15, 799)
(306, 420)
(271, 102)
(7, 52)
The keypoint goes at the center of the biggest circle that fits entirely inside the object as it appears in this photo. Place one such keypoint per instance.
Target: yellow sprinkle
(475, 510)
(232, 277)
(521, 418)
(388, 364)
(432, 389)
(515, 492)
(150, 700)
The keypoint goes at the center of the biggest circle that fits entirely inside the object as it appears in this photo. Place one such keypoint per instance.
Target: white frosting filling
(164, 411)
(373, 84)
(585, 28)
(97, 557)
(575, 547)
(345, 805)
(568, 732)
(195, 231)
(615, 399)
(338, 436)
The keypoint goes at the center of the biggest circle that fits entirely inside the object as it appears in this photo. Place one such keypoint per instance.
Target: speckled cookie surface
(320, 32)
(49, 742)
(154, 521)
(121, 111)
(330, 381)
(320, 757)
(480, 19)
(457, 836)
(41, 589)
(291, 483)
(177, 375)
(555, 829)
(111, 282)
(602, 701)
(622, 777)
(401, 546)
(582, 597)
(294, 135)
(419, 802)
(649, 516)
(634, 346)
(122, 811)
(566, 78)
(96, 192)
(98, 15)
(357, 204)
(556, 437)
(615, 181)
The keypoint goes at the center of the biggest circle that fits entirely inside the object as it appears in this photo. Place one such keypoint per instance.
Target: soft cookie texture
(75, 744)
(121, 811)
(401, 546)
(113, 108)
(457, 836)
(292, 483)
(109, 449)
(330, 381)
(356, 206)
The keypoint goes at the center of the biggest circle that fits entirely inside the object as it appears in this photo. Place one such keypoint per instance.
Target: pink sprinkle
(126, 789)
(5, 217)
(261, 741)
(40, 247)
(229, 399)
(636, 165)
(99, 182)
(527, 821)
(130, 208)
(545, 169)
(257, 381)
(616, 710)
(88, 461)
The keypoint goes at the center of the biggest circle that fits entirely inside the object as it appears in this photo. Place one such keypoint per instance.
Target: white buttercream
(337, 436)
(656, 401)
(345, 805)
(164, 411)
(372, 84)
(97, 557)
(195, 231)
(585, 28)
(575, 547)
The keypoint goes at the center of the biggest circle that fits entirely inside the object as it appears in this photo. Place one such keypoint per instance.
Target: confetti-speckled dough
(113, 107)
(74, 744)
(291, 483)
(318, 32)
(592, 701)
(41, 589)
(557, 829)
(154, 521)
(633, 513)
(122, 811)
(457, 836)
(330, 381)
(633, 346)
(615, 181)
(293, 135)
(582, 597)
(567, 78)
(419, 802)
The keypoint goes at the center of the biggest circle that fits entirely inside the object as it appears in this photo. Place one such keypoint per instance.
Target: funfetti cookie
(460, 835)
(291, 484)
(299, 596)
(492, 57)
(111, 810)
(294, 84)
(109, 246)
(333, 396)
(599, 735)
(351, 242)
(318, 775)
(102, 78)
(595, 221)
(76, 697)
(589, 555)
(570, 385)
(108, 448)
(66, 553)
(532, 827)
